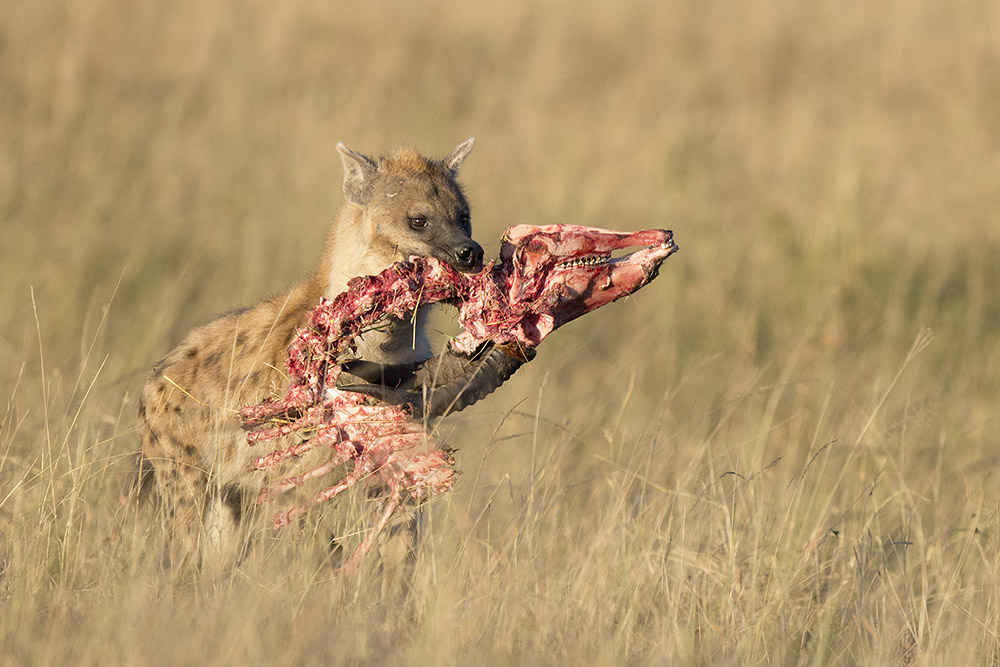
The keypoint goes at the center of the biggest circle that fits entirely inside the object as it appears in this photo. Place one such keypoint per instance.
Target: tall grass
(782, 451)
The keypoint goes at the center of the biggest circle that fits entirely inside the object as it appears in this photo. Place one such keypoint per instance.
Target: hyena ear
(359, 171)
(454, 161)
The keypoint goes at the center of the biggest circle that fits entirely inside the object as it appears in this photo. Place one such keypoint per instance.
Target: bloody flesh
(544, 277)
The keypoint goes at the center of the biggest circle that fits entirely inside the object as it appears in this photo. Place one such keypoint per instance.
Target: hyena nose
(469, 255)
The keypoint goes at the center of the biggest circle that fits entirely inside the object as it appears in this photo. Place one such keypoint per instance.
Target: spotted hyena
(194, 452)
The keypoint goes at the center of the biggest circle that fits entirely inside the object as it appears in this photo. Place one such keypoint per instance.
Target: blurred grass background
(782, 451)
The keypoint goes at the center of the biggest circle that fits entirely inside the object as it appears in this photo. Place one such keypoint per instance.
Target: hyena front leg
(223, 537)
(180, 486)
(398, 550)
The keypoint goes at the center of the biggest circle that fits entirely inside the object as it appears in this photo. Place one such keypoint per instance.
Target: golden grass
(782, 451)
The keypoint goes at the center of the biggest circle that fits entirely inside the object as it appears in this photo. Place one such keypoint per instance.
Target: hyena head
(410, 205)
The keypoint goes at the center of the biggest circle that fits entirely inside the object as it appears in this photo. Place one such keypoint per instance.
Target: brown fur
(188, 412)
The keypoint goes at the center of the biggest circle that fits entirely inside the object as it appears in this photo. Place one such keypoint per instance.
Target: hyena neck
(350, 253)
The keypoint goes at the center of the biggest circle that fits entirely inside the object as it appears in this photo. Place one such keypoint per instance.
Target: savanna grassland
(783, 451)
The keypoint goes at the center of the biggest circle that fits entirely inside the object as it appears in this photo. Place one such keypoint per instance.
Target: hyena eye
(418, 222)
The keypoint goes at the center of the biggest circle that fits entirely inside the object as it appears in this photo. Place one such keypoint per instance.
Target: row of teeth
(590, 260)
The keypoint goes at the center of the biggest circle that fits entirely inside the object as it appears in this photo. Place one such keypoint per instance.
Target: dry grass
(764, 457)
